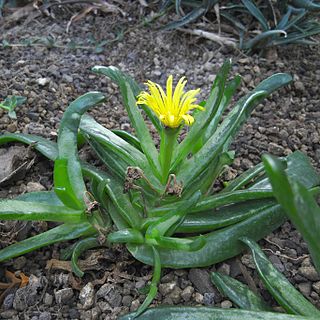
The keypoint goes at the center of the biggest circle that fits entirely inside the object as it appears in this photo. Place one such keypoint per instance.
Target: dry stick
(229, 42)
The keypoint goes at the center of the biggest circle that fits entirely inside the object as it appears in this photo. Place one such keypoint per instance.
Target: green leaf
(203, 119)
(82, 246)
(192, 167)
(238, 293)
(256, 12)
(126, 136)
(46, 147)
(61, 233)
(129, 90)
(298, 203)
(277, 284)
(68, 180)
(217, 249)
(206, 313)
(32, 210)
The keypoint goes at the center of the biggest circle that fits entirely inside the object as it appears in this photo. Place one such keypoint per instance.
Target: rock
(309, 272)
(74, 313)
(19, 262)
(277, 263)
(63, 296)
(27, 295)
(175, 295)
(208, 298)
(140, 284)
(167, 278)
(316, 287)
(67, 78)
(247, 260)
(198, 297)
(127, 300)
(166, 288)
(86, 296)
(275, 149)
(299, 86)
(111, 294)
(8, 314)
(135, 305)
(187, 292)
(224, 268)
(201, 280)
(35, 187)
(42, 81)
(305, 288)
(48, 299)
(8, 301)
(45, 316)
(95, 313)
(12, 127)
(226, 304)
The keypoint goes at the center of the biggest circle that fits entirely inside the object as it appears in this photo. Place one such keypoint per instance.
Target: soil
(50, 73)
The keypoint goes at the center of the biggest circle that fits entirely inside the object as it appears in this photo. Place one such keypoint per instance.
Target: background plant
(10, 103)
(151, 207)
(260, 24)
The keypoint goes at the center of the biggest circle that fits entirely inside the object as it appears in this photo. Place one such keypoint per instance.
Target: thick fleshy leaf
(129, 91)
(68, 180)
(217, 249)
(191, 168)
(206, 313)
(298, 203)
(238, 293)
(203, 119)
(61, 233)
(277, 284)
(34, 210)
(46, 147)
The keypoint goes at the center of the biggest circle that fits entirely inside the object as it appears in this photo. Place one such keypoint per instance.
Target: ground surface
(52, 77)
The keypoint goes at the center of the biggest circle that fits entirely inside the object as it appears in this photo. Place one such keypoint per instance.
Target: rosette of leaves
(180, 222)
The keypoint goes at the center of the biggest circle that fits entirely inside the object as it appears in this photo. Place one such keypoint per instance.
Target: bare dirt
(51, 73)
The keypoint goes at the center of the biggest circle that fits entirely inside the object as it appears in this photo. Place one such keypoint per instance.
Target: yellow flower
(171, 107)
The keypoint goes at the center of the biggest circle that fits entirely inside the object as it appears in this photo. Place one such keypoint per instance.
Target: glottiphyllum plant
(160, 203)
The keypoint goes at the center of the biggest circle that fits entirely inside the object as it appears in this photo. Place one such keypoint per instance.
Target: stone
(316, 287)
(135, 305)
(86, 296)
(45, 316)
(187, 292)
(63, 296)
(19, 262)
(305, 288)
(201, 280)
(310, 273)
(226, 304)
(198, 297)
(127, 300)
(35, 187)
(208, 298)
(166, 288)
(175, 295)
(8, 314)
(111, 294)
(12, 127)
(247, 260)
(42, 81)
(224, 268)
(8, 301)
(27, 295)
(48, 299)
